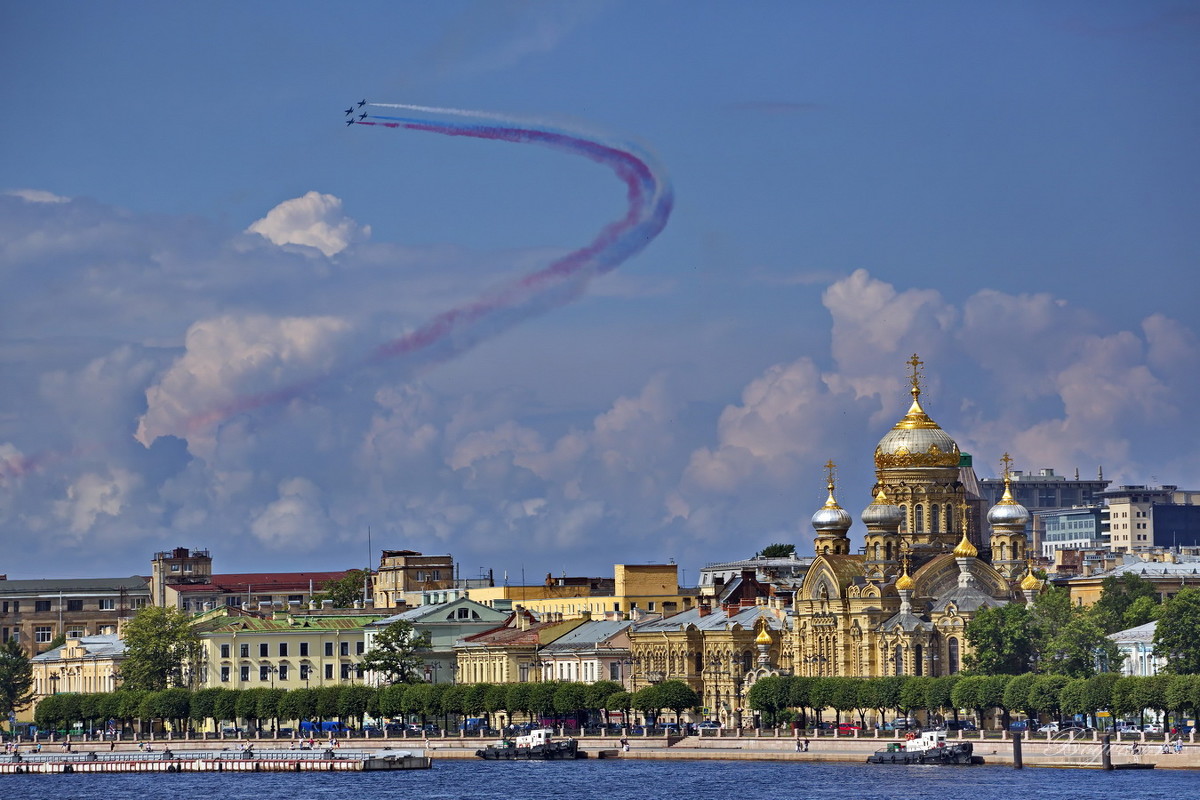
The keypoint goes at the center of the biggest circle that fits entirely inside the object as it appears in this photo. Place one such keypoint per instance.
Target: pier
(248, 760)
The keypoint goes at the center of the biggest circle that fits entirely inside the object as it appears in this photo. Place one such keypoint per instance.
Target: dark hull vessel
(957, 753)
(551, 751)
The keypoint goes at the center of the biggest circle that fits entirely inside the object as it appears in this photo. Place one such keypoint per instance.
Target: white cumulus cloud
(314, 220)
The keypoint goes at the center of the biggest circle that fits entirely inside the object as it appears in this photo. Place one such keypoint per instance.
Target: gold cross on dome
(830, 471)
(915, 377)
(1007, 461)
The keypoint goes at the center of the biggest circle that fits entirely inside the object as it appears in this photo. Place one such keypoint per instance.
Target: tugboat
(928, 748)
(537, 745)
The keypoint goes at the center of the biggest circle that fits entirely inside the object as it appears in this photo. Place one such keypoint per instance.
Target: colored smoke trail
(456, 330)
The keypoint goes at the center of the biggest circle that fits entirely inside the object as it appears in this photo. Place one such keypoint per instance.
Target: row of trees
(787, 699)
(268, 708)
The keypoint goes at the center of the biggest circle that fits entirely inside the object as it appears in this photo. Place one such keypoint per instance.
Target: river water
(624, 780)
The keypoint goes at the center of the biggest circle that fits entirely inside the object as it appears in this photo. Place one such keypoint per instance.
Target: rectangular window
(74, 605)
(108, 604)
(264, 672)
(244, 650)
(304, 648)
(329, 648)
(329, 672)
(41, 605)
(16, 606)
(3, 634)
(263, 650)
(74, 633)
(224, 674)
(43, 634)
(283, 648)
(359, 648)
(305, 671)
(344, 649)
(283, 672)
(224, 651)
(346, 671)
(244, 673)
(174, 568)
(139, 602)
(614, 671)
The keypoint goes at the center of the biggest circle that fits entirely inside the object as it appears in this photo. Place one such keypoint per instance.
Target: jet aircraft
(362, 102)
(350, 121)
(350, 110)
(362, 115)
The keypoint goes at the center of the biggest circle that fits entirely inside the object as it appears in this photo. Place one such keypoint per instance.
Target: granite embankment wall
(1060, 752)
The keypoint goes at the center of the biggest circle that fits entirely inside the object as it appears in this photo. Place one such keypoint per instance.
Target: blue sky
(1008, 189)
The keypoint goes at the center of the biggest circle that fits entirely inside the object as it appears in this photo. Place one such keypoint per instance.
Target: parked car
(1153, 727)
(1019, 725)
(709, 724)
(960, 725)
(848, 727)
(1050, 727)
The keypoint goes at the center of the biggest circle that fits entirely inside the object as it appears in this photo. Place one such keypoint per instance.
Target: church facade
(901, 606)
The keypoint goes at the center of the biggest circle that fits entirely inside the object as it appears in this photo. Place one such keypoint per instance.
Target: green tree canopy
(16, 678)
(1078, 649)
(160, 644)
(1003, 641)
(1117, 594)
(770, 695)
(778, 550)
(1175, 635)
(397, 653)
(344, 591)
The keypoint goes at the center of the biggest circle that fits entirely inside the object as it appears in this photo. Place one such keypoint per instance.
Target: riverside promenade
(1063, 751)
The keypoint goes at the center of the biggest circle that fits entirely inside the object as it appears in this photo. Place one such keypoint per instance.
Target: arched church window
(952, 652)
(898, 657)
(918, 653)
(747, 661)
(933, 518)
(949, 517)
(918, 518)
(904, 519)
(889, 551)
(699, 663)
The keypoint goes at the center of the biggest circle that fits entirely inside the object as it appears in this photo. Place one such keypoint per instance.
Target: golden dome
(905, 583)
(1030, 582)
(965, 549)
(916, 440)
(763, 637)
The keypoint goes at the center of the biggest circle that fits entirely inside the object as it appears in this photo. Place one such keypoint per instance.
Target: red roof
(274, 582)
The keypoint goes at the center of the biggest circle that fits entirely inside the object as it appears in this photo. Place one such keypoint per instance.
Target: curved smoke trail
(456, 330)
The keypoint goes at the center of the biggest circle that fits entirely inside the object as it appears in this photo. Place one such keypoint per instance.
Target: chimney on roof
(326, 605)
(313, 605)
(703, 610)
(245, 606)
(293, 605)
